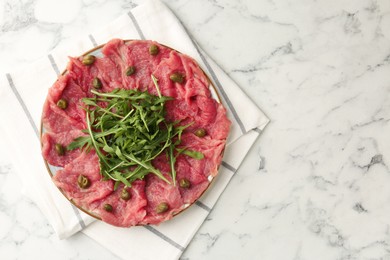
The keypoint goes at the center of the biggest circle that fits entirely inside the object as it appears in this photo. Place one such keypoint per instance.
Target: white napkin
(22, 94)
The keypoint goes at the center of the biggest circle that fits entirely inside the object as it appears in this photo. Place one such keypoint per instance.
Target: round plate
(53, 169)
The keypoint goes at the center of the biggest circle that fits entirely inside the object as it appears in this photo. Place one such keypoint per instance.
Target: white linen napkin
(22, 94)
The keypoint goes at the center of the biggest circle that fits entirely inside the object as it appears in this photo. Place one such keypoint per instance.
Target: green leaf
(154, 79)
(108, 149)
(172, 160)
(78, 143)
(194, 154)
(119, 176)
(116, 185)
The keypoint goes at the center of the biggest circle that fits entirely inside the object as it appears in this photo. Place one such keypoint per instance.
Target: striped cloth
(22, 94)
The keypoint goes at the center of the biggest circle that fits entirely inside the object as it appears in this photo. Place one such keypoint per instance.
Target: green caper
(184, 183)
(62, 103)
(88, 60)
(60, 149)
(201, 132)
(177, 77)
(153, 50)
(130, 71)
(83, 182)
(108, 207)
(125, 195)
(96, 83)
(162, 207)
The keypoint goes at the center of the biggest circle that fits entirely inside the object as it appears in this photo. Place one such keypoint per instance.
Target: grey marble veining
(314, 186)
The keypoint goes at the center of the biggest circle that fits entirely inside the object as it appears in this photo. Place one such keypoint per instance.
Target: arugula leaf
(79, 142)
(194, 154)
(172, 160)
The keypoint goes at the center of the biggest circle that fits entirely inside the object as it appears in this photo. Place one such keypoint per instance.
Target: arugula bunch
(128, 129)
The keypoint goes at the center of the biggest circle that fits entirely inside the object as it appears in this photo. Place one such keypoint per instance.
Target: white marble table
(316, 185)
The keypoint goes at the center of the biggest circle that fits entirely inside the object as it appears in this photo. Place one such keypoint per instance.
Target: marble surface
(314, 186)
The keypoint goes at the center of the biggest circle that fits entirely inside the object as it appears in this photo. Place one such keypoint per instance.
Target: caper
(162, 207)
(184, 183)
(96, 83)
(108, 207)
(88, 60)
(130, 71)
(201, 132)
(62, 103)
(125, 195)
(153, 50)
(83, 182)
(60, 149)
(177, 77)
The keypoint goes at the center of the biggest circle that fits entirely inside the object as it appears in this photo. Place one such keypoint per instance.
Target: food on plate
(135, 130)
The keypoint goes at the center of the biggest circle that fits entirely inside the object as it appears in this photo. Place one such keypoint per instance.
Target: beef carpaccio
(149, 200)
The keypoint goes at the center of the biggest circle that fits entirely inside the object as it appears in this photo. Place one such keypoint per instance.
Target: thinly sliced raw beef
(108, 73)
(80, 73)
(220, 128)
(212, 150)
(203, 113)
(87, 164)
(162, 73)
(138, 55)
(195, 87)
(67, 89)
(182, 111)
(125, 213)
(103, 69)
(49, 141)
(135, 53)
(184, 170)
(193, 77)
(198, 180)
(193, 70)
(58, 87)
(158, 191)
(115, 50)
(56, 121)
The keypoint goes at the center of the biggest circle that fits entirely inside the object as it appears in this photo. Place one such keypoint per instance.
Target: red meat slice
(180, 110)
(207, 111)
(195, 87)
(193, 70)
(138, 55)
(58, 87)
(197, 179)
(184, 169)
(162, 73)
(86, 164)
(115, 50)
(55, 120)
(202, 112)
(220, 128)
(103, 69)
(158, 191)
(195, 81)
(212, 150)
(108, 73)
(125, 213)
(67, 89)
(135, 53)
(80, 73)
(49, 140)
